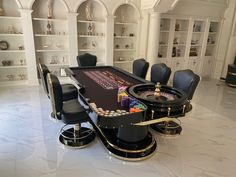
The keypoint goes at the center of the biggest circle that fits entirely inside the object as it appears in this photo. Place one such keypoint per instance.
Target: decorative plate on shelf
(4, 45)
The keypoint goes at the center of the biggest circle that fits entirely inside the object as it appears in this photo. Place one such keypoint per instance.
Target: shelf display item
(22, 62)
(89, 11)
(22, 76)
(49, 28)
(193, 51)
(11, 77)
(91, 29)
(4, 45)
(21, 47)
(6, 62)
(49, 4)
(1, 9)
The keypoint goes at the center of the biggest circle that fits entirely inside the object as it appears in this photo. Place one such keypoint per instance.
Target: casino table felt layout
(101, 84)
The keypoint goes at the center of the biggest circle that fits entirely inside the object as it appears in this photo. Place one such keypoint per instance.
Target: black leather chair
(160, 73)
(71, 113)
(231, 74)
(140, 68)
(69, 91)
(86, 60)
(187, 81)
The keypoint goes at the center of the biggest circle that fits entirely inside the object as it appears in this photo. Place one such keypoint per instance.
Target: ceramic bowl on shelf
(4, 45)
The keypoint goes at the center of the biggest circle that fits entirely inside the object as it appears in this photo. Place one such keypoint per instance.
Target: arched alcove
(13, 66)
(40, 9)
(91, 29)
(125, 35)
(98, 5)
(51, 34)
(10, 8)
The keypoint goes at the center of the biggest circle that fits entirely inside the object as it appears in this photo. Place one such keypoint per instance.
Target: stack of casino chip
(108, 113)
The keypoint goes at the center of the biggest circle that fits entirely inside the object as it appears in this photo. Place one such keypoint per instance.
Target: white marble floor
(29, 144)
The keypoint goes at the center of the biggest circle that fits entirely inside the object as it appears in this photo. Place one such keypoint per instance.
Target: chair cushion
(73, 112)
(69, 91)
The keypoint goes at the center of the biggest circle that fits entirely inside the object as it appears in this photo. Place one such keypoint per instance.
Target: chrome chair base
(78, 139)
(169, 128)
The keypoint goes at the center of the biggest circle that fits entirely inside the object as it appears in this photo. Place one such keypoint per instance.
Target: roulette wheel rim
(171, 108)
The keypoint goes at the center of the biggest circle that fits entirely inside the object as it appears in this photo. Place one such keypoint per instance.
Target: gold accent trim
(75, 147)
(125, 150)
(41, 75)
(164, 119)
(168, 135)
(50, 89)
(133, 159)
(233, 74)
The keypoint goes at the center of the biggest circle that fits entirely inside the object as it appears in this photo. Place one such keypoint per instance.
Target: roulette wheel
(162, 101)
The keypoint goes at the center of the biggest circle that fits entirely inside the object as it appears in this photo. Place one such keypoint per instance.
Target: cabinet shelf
(7, 34)
(196, 45)
(91, 36)
(123, 62)
(10, 17)
(52, 50)
(50, 35)
(49, 19)
(179, 45)
(92, 21)
(13, 66)
(181, 31)
(57, 65)
(91, 50)
(123, 50)
(124, 37)
(12, 51)
(126, 23)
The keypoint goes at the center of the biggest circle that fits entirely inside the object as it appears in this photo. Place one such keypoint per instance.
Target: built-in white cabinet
(51, 35)
(13, 65)
(188, 43)
(125, 36)
(91, 25)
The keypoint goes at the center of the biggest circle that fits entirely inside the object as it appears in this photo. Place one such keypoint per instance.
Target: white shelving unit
(210, 51)
(91, 32)
(51, 36)
(125, 37)
(188, 43)
(13, 66)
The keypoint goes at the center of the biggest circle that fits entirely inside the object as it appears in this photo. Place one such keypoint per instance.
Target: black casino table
(122, 106)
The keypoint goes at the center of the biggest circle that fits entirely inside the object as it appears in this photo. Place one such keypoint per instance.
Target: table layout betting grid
(107, 79)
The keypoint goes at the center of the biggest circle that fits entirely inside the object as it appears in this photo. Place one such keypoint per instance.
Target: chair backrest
(160, 73)
(186, 81)
(87, 60)
(140, 68)
(55, 93)
(43, 71)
